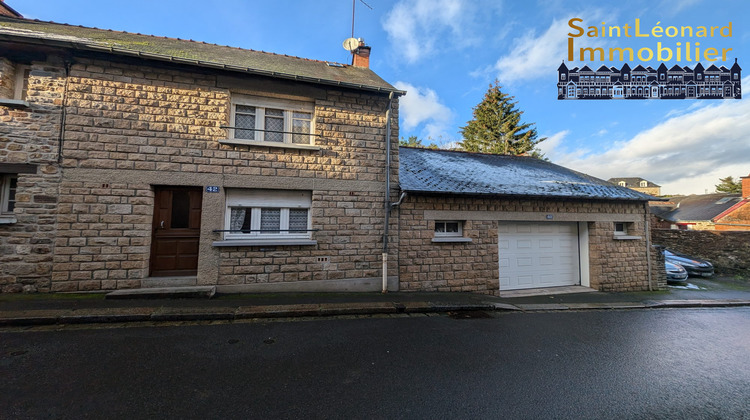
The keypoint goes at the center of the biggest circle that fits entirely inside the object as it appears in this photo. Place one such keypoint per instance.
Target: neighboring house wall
(727, 251)
(424, 265)
(132, 127)
(28, 155)
(739, 219)
(655, 191)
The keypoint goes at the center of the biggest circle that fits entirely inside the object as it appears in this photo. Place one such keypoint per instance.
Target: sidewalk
(45, 309)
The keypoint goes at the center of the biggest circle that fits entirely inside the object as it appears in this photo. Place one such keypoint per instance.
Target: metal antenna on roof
(354, 2)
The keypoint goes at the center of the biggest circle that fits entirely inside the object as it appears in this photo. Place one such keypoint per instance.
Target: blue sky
(445, 53)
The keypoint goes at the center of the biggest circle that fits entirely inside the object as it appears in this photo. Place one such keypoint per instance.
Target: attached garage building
(491, 223)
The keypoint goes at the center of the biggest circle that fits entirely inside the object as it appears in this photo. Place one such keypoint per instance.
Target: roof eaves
(544, 196)
(200, 63)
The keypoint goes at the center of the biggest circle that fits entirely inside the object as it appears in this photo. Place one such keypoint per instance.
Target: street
(674, 363)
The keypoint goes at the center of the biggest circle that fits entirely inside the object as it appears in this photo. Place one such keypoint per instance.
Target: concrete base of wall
(373, 284)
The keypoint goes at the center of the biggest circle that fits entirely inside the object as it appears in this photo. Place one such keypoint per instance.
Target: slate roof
(191, 53)
(462, 173)
(631, 182)
(703, 207)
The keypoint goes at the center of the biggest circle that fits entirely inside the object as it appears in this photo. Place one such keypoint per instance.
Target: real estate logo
(644, 81)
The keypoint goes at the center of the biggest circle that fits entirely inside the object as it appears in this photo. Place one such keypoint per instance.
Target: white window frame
(21, 81)
(644, 184)
(444, 233)
(288, 107)
(621, 183)
(621, 229)
(6, 214)
(255, 201)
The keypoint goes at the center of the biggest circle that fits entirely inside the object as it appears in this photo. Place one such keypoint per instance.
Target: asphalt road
(677, 363)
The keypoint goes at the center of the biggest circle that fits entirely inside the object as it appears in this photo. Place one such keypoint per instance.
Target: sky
(446, 53)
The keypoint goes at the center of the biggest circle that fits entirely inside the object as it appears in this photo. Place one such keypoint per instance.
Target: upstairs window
(271, 120)
(15, 82)
(644, 183)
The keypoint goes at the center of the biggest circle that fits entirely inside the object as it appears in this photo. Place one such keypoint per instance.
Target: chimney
(745, 186)
(361, 55)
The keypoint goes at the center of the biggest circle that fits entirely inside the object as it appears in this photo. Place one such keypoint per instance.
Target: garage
(536, 255)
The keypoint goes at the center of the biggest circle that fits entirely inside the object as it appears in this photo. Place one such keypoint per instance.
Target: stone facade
(102, 135)
(29, 149)
(614, 265)
(130, 127)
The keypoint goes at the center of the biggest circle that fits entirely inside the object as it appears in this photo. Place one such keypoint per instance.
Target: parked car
(694, 266)
(675, 273)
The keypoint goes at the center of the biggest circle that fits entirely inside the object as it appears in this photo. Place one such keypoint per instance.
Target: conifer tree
(729, 185)
(497, 128)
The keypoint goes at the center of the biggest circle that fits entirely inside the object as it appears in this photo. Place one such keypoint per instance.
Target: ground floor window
(267, 214)
(449, 228)
(8, 187)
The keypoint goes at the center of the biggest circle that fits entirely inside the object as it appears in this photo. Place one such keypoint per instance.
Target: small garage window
(621, 228)
(624, 230)
(449, 231)
(448, 228)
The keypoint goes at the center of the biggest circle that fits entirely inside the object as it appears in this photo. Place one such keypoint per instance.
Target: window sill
(264, 242)
(8, 220)
(627, 238)
(451, 239)
(241, 142)
(14, 103)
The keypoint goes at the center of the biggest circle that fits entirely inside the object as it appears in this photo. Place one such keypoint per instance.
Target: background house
(719, 211)
(638, 184)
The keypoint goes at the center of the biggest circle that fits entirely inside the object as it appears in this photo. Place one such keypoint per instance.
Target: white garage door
(536, 255)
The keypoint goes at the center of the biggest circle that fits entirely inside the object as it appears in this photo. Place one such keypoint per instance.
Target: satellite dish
(351, 44)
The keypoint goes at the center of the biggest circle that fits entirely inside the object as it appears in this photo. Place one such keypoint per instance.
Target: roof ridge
(466, 152)
(178, 39)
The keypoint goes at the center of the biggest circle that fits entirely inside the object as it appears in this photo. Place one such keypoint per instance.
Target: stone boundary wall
(728, 251)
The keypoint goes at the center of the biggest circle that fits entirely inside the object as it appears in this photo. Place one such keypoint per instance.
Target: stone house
(131, 161)
(490, 223)
(638, 184)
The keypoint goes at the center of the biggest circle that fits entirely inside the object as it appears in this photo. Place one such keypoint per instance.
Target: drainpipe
(63, 113)
(387, 204)
(648, 246)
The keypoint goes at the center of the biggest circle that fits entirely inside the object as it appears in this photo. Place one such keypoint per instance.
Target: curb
(171, 314)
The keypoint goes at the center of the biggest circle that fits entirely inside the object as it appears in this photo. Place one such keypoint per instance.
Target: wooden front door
(176, 231)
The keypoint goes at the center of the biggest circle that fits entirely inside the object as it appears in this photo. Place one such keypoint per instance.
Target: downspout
(648, 246)
(387, 204)
(63, 113)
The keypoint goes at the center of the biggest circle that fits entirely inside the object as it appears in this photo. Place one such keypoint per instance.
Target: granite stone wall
(424, 265)
(29, 149)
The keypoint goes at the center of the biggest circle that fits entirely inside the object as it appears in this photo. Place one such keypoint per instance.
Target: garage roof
(463, 173)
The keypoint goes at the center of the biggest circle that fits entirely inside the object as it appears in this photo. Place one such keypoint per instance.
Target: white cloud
(532, 56)
(418, 28)
(685, 154)
(422, 107)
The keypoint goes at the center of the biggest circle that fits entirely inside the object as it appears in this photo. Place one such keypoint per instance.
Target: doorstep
(199, 292)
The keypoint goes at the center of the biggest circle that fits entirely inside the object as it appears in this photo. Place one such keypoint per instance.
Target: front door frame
(174, 250)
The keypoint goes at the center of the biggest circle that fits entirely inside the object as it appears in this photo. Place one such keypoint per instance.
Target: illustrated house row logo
(647, 83)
